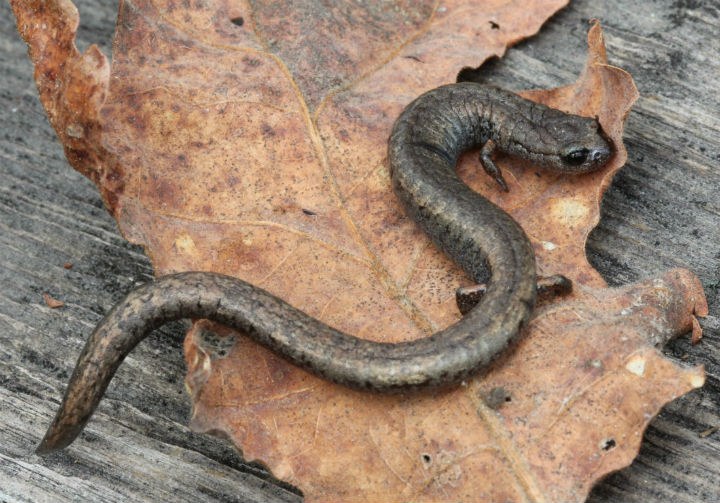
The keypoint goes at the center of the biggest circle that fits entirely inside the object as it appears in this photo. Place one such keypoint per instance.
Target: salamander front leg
(467, 297)
(489, 165)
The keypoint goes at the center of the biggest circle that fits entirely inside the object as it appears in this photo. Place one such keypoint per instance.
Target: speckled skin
(486, 242)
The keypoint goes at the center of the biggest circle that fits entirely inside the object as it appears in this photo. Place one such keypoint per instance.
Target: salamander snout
(576, 145)
(581, 158)
(586, 154)
(599, 156)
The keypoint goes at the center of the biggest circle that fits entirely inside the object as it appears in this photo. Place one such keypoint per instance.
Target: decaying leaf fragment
(257, 149)
(51, 302)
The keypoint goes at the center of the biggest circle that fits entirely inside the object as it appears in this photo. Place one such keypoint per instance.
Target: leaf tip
(596, 43)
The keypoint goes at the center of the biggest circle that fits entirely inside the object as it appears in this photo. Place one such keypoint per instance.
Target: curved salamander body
(487, 243)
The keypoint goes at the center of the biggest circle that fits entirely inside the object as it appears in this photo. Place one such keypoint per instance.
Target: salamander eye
(576, 156)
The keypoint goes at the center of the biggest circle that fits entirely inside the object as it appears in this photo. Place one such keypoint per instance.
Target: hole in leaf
(496, 397)
(237, 21)
(607, 444)
(427, 460)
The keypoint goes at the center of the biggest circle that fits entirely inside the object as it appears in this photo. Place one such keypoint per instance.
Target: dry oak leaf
(250, 140)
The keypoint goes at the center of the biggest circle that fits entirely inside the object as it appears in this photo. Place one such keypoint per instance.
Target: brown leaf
(256, 148)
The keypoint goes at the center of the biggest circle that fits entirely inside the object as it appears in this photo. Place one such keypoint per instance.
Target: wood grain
(661, 211)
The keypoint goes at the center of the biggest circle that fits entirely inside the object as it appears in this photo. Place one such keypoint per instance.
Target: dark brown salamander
(486, 242)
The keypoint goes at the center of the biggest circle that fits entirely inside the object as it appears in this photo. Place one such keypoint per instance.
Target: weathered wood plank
(662, 211)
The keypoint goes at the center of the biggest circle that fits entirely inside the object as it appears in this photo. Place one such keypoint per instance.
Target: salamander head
(579, 145)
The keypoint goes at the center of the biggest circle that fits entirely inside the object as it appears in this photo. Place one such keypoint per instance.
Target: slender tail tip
(44, 448)
(54, 440)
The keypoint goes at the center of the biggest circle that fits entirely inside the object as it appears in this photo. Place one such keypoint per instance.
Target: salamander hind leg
(467, 297)
(489, 165)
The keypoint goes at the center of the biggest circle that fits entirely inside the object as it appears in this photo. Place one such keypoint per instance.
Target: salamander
(481, 238)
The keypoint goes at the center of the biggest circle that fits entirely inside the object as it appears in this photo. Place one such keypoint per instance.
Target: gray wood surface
(661, 211)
